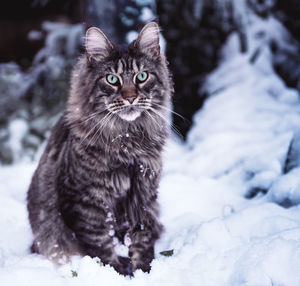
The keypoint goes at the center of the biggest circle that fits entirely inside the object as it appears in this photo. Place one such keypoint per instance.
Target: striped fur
(97, 179)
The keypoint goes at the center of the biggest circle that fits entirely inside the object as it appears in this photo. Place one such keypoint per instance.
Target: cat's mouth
(130, 113)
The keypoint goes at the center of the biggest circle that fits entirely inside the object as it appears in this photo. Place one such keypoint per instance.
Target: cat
(96, 182)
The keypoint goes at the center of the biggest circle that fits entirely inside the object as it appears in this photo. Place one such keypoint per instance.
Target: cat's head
(121, 85)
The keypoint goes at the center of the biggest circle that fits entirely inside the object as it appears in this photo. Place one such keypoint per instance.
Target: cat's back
(42, 185)
(58, 139)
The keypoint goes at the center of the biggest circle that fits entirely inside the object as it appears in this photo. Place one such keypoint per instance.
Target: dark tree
(287, 55)
(195, 31)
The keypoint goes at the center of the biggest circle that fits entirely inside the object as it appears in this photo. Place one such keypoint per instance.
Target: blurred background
(41, 40)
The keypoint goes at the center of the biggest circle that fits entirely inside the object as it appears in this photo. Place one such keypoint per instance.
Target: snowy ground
(237, 146)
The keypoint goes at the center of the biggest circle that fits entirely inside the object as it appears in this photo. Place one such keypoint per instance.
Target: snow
(239, 142)
(35, 35)
(146, 15)
(17, 130)
(131, 36)
(57, 31)
(62, 41)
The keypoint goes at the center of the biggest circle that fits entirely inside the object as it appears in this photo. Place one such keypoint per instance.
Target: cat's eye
(141, 77)
(112, 79)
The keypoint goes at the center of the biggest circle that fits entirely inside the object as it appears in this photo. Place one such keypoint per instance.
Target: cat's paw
(142, 260)
(123, 266)
(145, 267)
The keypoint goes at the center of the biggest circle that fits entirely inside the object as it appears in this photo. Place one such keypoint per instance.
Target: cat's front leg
(143, 237)
(143, 214)
(93, 226)
(99, 243)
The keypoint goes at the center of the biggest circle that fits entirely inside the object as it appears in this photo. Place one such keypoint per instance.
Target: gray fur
(99, 174)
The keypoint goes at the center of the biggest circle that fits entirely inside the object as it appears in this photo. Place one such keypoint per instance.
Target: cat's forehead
(128, 61)
(125, 65)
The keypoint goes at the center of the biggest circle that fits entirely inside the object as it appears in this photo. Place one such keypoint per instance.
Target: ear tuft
(97, 44)
(148, 39)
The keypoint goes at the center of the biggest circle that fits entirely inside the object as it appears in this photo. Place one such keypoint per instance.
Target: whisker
(176, 130)
(99, 132)
(101, 127)
(97, 124)
(173, 127)
(115, 105)
(147, 113)
(88, 118)
(168, 109)
(144, 100)
(118, 109)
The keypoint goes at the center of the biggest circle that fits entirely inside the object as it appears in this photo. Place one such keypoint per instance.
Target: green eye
(142, 76)
(112, 79)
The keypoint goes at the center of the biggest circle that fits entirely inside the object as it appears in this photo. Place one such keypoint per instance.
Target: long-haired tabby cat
(96, 183)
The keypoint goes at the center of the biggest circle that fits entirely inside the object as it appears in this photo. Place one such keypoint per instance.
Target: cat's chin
(130, 115)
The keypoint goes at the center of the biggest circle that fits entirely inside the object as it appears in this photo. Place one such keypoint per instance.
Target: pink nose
(130, 99)
(129, 94)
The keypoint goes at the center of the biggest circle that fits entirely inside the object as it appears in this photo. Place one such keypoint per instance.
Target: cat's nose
(130, 99)
(129, 94)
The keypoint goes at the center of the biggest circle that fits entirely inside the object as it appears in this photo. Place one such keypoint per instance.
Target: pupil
(142, 76)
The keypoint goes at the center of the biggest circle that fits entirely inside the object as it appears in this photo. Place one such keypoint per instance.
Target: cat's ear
(148, 39)
(97, 44)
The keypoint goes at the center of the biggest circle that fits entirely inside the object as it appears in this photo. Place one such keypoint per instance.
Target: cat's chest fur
(108, 170)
